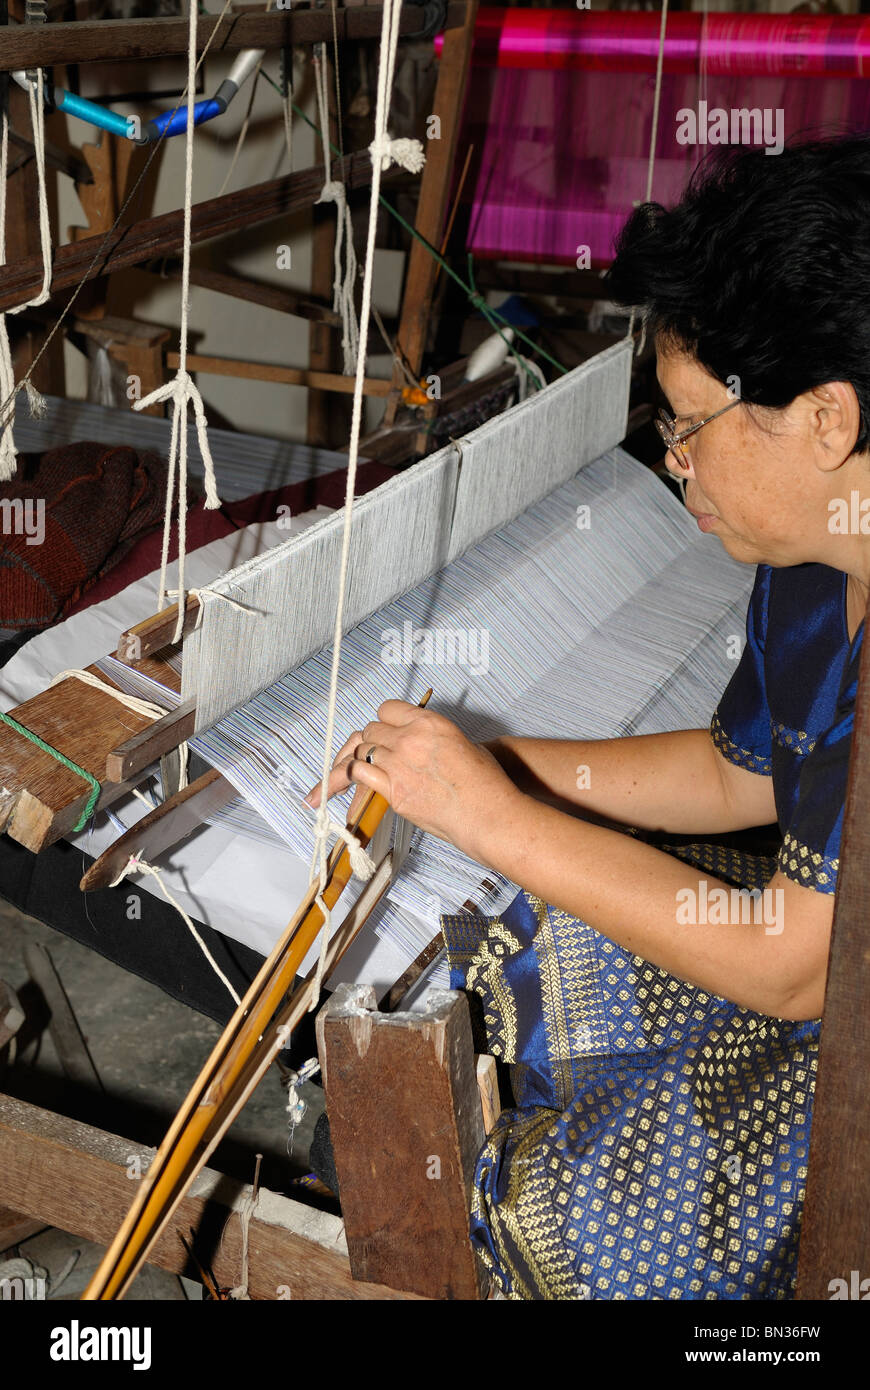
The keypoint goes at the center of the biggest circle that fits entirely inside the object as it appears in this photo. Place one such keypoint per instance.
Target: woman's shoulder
(808, 597)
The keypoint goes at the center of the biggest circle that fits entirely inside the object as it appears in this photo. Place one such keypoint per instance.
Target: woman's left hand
(427, 770)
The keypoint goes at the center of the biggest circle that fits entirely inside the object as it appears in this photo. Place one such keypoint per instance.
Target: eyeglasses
(665, 423)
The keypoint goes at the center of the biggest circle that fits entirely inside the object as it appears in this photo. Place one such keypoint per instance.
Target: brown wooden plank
(14, 1228)
(434, 193)
(255, 292)
(157, 236)
(288, 376)
(132, 39)
(405, 1124)
(55, 158)
(72, 1050)
(112, 164)
(162, 828)
(145, 747)
(835, 1222)
(79, 1179)
(83, 723)
(155, 632)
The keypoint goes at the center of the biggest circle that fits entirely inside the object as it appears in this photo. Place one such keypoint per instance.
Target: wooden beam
(412, 1075)
(145, 747)
(133, 39)
(162, 828)
(155, 632)
(434, 193)
(80, 721)
(72, 1050)
(563, 281)
(55, 158)
(15, 1228)
(155, 236)
(834, 1222)
(254, 292)
(79, 1179)
(288, 376)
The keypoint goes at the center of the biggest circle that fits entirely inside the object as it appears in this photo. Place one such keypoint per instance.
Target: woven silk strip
(601, 610)
(403, 532)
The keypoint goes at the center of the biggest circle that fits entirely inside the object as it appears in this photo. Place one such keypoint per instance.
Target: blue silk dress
(658, 1145)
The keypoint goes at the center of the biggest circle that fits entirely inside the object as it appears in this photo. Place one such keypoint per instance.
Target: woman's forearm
(675, 781)
(642, 899)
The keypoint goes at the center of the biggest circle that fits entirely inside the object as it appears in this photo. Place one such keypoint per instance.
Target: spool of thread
(488, 355)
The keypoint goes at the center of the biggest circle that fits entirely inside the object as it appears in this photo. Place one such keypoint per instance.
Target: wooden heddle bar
(89, 41)
(127, 246)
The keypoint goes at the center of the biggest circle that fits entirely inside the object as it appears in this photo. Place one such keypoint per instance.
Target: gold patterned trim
(753, 762)
(807, 866)
(795, 740)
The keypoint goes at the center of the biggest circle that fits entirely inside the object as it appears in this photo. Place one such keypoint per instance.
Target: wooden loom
(49, 803)
(40, 798)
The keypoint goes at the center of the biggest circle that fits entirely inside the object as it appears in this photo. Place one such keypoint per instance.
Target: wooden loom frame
(37, 822)
(838, 1191)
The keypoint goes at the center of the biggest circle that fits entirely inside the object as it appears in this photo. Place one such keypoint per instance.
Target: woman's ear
(833, 419)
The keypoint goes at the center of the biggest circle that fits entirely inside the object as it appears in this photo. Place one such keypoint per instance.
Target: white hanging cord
(8, 452)
(246, 1210)
(382, 151)
(37, 122)
(651, 161)
(344, 281)
(136, 865)
(182, 389)
(287, 108)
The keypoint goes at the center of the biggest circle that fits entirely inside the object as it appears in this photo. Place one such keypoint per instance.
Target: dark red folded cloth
(203, 526)
(66, 518)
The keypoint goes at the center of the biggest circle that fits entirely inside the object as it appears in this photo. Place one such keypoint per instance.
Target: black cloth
(157, 946)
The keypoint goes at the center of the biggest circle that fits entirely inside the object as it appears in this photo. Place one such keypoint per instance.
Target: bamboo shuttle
(231, 1073)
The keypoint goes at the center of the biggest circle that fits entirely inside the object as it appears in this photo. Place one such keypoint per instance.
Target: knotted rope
(182, 389)
(382, 150)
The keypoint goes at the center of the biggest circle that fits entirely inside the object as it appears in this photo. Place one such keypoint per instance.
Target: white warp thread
(182, 389)
(403, 531)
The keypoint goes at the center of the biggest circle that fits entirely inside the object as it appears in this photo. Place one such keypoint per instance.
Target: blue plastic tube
(89, 111)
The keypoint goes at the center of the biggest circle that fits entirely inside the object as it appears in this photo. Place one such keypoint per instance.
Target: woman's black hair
(762, 270)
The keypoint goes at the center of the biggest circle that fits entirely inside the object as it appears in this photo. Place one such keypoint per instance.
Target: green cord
(471, 291)
(67, 762)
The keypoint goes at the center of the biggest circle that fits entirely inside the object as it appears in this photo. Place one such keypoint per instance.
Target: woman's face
(761, 480)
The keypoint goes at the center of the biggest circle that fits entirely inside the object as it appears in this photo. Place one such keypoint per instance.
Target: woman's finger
(339, 781)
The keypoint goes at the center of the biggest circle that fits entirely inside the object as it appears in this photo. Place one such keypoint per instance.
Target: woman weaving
(663, 1064)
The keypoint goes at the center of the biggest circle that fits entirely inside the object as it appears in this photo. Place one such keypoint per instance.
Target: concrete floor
(147, 1050)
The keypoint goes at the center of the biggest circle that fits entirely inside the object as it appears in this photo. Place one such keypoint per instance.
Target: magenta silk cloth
(560, 154)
